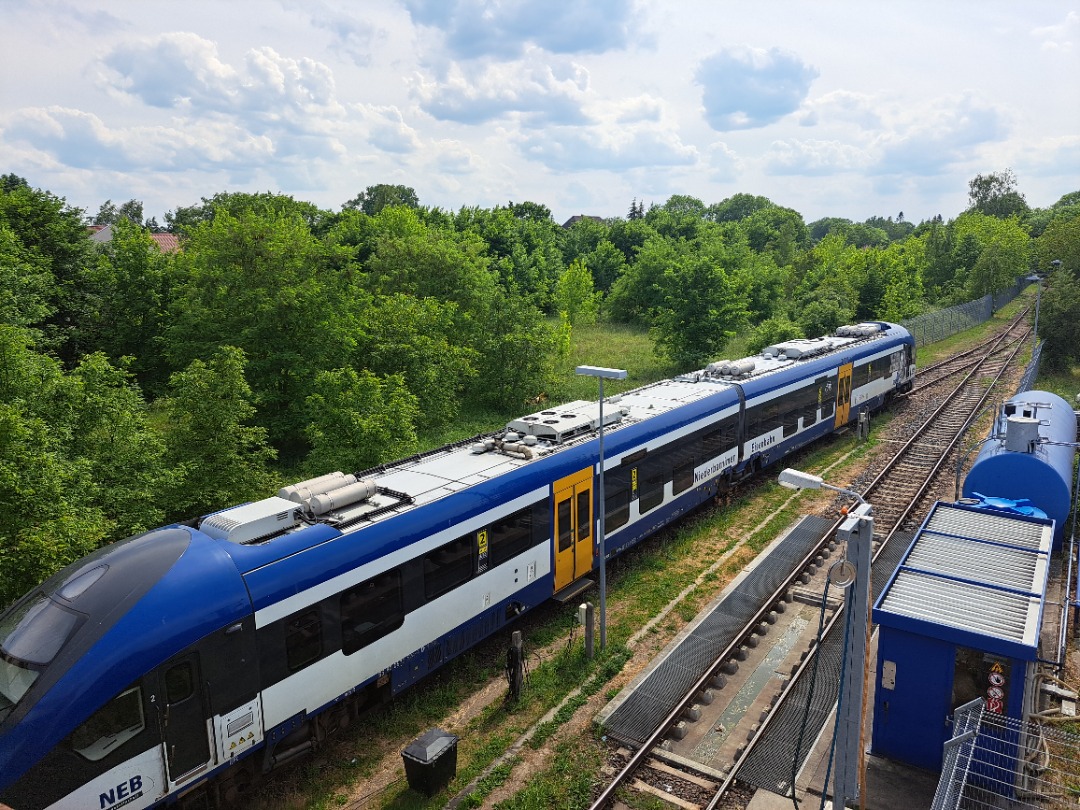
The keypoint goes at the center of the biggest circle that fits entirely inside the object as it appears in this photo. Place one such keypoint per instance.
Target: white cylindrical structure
(305, 490)
(343, 496)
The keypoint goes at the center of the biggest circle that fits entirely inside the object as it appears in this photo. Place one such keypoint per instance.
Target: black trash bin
(431, 761)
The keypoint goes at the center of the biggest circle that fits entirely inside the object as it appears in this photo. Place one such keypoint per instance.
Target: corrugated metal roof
(979, 572)
(996, 528)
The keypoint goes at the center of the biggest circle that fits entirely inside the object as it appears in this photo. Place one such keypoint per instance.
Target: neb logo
(123, 793)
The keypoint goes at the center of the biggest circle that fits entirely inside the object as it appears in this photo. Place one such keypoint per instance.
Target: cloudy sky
(835, 108)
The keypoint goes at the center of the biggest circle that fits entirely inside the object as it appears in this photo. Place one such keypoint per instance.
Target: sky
(843, 108)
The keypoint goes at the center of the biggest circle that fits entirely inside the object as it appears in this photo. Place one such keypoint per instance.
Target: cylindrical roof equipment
(1033, 460)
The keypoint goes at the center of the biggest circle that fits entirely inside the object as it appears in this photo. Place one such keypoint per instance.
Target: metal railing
(994, 761)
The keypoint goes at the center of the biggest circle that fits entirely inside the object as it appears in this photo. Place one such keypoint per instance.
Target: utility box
(958, 620)
(431, 761)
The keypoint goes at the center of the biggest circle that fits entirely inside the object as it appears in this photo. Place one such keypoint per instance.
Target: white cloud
(454, 157)
(1060, 38)
(929, 139)
(182, 71)
(611, 149)
(550, 92)
(724, 164)
(813, 157)
(387, 129)
(505, 28)
(747, 88)
(841, 107)
(351, 36)
(84, 141)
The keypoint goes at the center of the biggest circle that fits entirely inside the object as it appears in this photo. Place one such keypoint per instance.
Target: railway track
(941, 410)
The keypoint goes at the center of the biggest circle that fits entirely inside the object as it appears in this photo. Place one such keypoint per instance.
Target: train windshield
(31, 635)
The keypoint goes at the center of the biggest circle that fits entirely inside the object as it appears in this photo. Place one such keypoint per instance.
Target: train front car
(106, 671)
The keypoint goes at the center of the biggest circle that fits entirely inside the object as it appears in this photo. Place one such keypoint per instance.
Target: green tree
(778, 232)
(51, 237)
(263, 283)
(523, 251)
(111, 434)
(701, 311)
(575, 297)
(27, 296)
(421, 339)
(1059, 322)
(902, 264)
(517, 352)
(110, 214)
(217, 457)
(127, 317)
(1004, 251)
(737, 207)
(1060, 241)
(772, 331)
(46, 494)
(358, 420)
(237, 203)
(606, 262)
(938, 247)
(637, 291)
(996, 195)
(411, 258)
(828, 293)
(375, 198)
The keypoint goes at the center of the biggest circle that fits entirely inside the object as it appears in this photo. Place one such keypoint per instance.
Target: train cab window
(303, 640)
(36, 631)
(512, 535)
(30, 637)
(448, 566)
(110, 726)
(371, 610)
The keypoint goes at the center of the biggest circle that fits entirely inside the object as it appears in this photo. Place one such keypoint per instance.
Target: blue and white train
(180, 665)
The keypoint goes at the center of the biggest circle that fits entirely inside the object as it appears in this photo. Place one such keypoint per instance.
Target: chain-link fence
(1027, 382)
(934, 326)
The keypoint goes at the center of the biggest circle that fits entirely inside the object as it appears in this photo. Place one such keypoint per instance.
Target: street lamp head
(796, 479)
(601, 372)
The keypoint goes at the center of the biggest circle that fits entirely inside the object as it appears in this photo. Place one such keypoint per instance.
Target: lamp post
(858, 533)
(602, 374)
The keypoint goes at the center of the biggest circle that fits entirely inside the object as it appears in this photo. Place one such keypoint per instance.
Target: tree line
(139, 386)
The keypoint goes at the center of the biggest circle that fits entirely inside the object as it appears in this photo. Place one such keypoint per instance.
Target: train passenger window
(370, 610)
(826, 395)
(511, 536)
(790, 421)
(448, 566)
(650, 491)
(303, 640)
(712, 443)
(682, 477)
(110, 726)
(616, 507)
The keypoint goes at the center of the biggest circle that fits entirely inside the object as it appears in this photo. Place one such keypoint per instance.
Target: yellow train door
(843, 396)
(573, 527)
